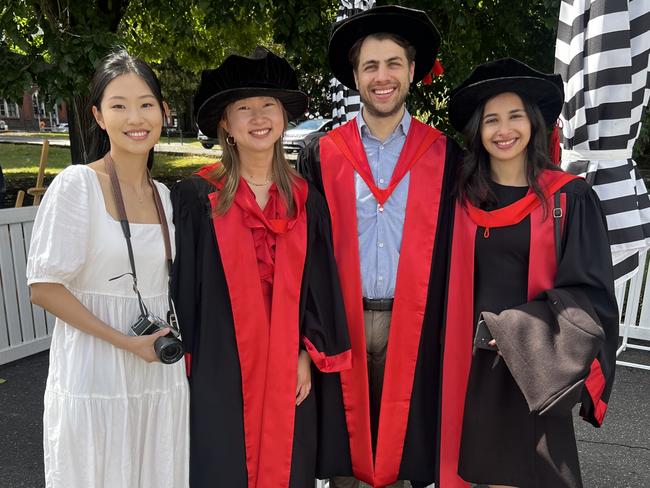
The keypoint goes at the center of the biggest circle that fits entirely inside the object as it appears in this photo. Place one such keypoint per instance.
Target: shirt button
(380, 208)
(381, 244)
(381, 180)
(380, 278)
(381, 148)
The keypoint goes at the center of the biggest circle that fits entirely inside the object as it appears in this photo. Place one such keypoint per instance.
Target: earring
(230, 140)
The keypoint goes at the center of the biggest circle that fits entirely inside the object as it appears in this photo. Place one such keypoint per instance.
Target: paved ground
(615, 456)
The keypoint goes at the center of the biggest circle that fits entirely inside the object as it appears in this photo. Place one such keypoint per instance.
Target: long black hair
(474, 175)
(117, 63)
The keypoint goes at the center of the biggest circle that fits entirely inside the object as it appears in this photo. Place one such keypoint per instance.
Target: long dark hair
(474, 175)
(117, 63)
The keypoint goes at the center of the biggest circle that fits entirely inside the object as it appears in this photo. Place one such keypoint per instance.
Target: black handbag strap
(126, 229)
(557, 226)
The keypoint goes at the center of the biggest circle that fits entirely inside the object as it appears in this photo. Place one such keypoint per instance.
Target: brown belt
(378, 304)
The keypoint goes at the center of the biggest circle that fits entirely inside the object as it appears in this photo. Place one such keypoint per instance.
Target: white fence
(634, 303)
(25, 329)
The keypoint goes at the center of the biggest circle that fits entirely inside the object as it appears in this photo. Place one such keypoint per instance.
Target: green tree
(303, 27)
(55, 44)
(476, 31)
(181, 38)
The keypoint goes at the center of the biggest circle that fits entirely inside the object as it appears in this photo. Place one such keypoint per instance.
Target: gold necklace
(258, 184)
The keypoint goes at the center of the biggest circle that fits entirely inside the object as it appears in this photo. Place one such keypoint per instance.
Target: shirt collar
(401, 129)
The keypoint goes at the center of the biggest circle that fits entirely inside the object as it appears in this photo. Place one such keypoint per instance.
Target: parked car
(3, 125)
(207, 142)
(62, 127)
(170, 131)
(295, 138)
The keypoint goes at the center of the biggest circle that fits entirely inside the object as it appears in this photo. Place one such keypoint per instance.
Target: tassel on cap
(436, 70)
(554, 150)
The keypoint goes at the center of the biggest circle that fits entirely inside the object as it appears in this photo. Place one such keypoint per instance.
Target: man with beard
(387, 178)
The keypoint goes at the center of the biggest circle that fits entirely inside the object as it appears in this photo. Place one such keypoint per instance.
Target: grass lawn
(21, 160)
(187, 141)
(41, 135)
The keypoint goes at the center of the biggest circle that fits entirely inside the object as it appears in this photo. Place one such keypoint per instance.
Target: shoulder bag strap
(557, 226)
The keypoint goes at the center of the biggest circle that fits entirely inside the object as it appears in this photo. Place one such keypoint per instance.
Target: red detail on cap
(188, 363)
(437, 69)
(555, 152)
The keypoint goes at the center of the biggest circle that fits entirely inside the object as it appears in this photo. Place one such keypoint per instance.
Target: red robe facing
(244, 342)
(501, 259)
(406, 445)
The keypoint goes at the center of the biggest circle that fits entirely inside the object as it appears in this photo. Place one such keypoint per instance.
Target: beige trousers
(377, 325)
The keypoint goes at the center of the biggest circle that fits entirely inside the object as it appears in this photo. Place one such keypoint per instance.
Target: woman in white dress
(115, 416)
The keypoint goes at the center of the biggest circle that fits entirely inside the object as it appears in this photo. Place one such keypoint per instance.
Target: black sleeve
(186, 278)
(586, 262)
(323, 324)
(308, 164)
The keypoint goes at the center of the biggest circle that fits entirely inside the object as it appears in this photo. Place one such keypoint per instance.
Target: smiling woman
(115, 415)
(130, 114)
(255, 285)
(505, 133)
(531, 233)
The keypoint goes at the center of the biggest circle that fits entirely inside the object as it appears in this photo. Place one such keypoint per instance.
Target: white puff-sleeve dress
(111, 419)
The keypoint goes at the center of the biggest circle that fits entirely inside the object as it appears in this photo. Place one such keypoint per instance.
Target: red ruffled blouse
(265, 225)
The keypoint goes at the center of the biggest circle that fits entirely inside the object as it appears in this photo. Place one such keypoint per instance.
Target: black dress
(502, 443)
(218, 455)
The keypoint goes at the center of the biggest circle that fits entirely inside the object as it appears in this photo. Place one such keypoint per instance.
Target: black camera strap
(126, 230)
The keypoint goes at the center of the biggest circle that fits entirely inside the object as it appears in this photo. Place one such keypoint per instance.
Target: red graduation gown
(421, 247)
(266, 348)
(542, 269)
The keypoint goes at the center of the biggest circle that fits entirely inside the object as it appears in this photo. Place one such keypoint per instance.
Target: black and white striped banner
(345, 102)
(602, 53)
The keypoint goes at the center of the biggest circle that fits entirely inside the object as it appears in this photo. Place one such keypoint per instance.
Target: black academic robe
(496, 439)
(407, 445)
(245, 430)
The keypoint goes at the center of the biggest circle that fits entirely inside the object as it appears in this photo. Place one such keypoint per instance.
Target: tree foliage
(475, 31)
(56, 44)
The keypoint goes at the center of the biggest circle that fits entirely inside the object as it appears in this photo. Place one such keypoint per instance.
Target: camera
(169, 348)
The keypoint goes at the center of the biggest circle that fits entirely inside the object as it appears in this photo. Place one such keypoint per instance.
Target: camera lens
(168, 349)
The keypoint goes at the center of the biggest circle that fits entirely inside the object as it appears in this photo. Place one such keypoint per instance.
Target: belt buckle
(378, 304)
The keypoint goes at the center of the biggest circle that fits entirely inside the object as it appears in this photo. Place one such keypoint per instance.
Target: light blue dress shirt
(380, 228)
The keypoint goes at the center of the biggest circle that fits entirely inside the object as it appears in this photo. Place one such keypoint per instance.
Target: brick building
(33, 115)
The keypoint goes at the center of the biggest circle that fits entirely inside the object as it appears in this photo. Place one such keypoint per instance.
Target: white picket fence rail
(634, 303)
(25, 329)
